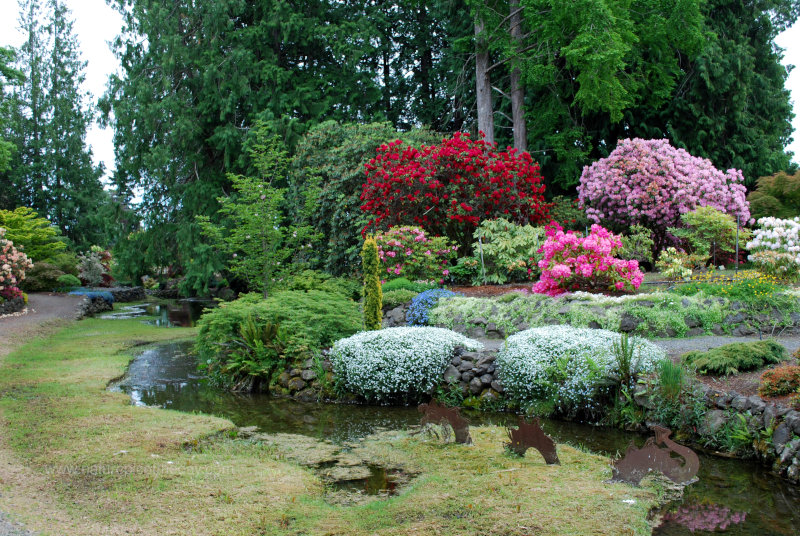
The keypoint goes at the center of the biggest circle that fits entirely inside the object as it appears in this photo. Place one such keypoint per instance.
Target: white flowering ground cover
(564, 368)
(777, 235)
(396, 362)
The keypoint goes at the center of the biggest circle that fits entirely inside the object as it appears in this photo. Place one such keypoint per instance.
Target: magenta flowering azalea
(574, 262)
(651, 183)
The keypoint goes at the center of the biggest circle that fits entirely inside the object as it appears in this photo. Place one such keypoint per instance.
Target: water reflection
(181, 313)
(731, 496)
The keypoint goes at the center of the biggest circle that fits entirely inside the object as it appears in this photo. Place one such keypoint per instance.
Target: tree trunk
(483, 83)
(517, 91)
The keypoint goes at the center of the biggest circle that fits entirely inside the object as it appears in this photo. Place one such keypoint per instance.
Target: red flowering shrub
(450, 188)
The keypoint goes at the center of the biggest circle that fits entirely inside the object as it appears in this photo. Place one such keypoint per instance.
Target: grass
(78, 459)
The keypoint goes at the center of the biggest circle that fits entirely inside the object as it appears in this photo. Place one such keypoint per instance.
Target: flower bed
(404, 362)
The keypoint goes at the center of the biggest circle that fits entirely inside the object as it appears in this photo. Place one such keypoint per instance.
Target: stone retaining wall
(125, 294)
(92, 306)
(12, 306)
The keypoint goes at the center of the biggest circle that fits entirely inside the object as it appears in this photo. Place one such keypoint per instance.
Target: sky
(96, 24)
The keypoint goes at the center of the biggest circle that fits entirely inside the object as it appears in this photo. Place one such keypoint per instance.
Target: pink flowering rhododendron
(651, 183)
(574, 262)
(13, 265)
(408, 251)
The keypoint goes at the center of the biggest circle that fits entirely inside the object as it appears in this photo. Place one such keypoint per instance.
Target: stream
(732, 496)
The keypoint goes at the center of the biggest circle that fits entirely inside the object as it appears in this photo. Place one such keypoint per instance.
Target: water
(180, 313)
(731, 496)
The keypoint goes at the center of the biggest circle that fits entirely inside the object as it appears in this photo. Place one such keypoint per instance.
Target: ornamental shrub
(573, 262)
(393, 298)
(421, 305)
(776, 247)
(735, 358)
(43, 277)
(409, 252)
(566, 370)
(675, 265)
(451, 187)
(780, 381)
(37, 237)
(708, 232)
(776, 195)
(510, 251)
(13, 263)
(68, 280)
(402, 283)
(373, 298)
(312, 320)
(396, 363)
(651, 183)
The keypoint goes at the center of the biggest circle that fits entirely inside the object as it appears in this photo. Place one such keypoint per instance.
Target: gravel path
(15, 330)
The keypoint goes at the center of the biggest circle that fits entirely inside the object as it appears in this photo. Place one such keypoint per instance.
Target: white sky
(97, 24)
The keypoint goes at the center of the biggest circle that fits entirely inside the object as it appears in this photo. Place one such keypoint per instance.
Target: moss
(736, 357)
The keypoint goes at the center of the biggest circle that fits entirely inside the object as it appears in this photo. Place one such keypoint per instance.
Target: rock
(468, 376)
(740, 403)
(451, 374)
(628, 322)
(792, 419)
(780, 437)
(490, 369)
(308, 375)
(306, 395)
(471, 356)
(594, 325)
(479, 320)
(736, 306)
(308, 363)
(685, 302)
(475, 386)
(464, 386)
(795, 318)
(283, 379)
(695, 332)
(743, 331)
(456, 361)
(487, 358)
(793, 472)
(521, 326)
(756, 405)
(296, 384)
(789, 451)
(465, 366)
(690, 321)
(769, 415)
(645, 303)
(497, 386)
(489, 395)
(713, 422)
(717, 330)
(487, 379)
(14, 305)
(642, 396)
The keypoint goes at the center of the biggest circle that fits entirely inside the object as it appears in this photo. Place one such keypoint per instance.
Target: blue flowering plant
(421, 305)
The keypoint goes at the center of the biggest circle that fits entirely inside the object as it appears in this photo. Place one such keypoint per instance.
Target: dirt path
(45, 312)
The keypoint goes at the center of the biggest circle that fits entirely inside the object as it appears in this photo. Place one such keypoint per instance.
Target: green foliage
(509, 251)
(709, 232)
(757, 292)
(67, 262)
(91, 268)
(316, 280)
(258, 352)
(256, 238)
(623, 351)
(569, 214)
(8, 76)
(68, 280)
(393, 298)
(401, 283)
(34, 236)
(373, 297)
(735, 358)
(48, 117)
(311, 320)
(637, 244)
(329, 162)
(43, 277)
(466, 271)
(777, 195)
(670, 380)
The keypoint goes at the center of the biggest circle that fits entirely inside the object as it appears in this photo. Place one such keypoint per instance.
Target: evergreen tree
(52, 171)
(8, 76)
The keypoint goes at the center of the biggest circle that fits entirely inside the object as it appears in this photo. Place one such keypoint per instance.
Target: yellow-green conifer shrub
(373, 295)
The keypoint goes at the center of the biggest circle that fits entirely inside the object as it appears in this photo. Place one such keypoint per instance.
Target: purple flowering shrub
(574, 262)
(651, 183)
